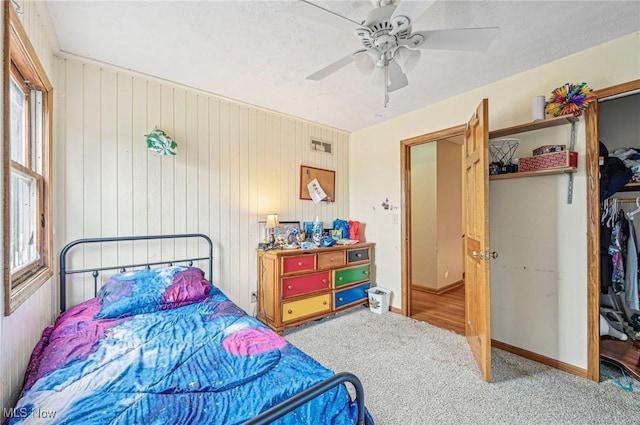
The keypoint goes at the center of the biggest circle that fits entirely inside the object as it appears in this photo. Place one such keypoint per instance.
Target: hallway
(444, 310)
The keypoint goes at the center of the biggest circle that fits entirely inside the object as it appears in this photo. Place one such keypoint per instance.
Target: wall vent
(321, 146)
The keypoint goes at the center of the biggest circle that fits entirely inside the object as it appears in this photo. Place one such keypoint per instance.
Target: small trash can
(379, 299)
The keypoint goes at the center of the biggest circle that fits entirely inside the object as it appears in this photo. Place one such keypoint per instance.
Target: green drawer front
(347, 276)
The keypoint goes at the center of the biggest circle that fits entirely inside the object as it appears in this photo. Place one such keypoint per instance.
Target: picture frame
(326, 232)
(336, 234)
(285, 228)
(325, 178)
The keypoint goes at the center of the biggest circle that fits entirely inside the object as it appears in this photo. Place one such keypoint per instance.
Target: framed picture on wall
(325, 178)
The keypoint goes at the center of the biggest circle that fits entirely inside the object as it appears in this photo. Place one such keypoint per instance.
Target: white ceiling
(259, 52)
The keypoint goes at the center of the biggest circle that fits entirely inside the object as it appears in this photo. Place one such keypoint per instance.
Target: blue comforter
(203, 363)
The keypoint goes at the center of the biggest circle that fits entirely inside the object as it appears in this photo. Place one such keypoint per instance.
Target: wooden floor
(443, 310)
(625, 354)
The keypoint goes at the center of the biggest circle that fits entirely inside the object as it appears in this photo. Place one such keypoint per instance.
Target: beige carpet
(415, 373)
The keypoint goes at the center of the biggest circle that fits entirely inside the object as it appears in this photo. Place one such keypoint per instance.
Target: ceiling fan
(391, 47)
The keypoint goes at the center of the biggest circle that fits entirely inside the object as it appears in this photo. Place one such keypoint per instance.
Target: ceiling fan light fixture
(366, 61)
(380, 76)
(406, 58)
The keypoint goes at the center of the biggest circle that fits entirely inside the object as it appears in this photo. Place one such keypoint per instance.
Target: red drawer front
(299, 263)
(292, 286)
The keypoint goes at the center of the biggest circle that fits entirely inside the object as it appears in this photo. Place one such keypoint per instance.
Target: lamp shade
(379, 76)
(366, 61)
(406, 58)
(272, 221)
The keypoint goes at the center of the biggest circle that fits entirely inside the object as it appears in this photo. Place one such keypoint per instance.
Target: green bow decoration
(159, 141)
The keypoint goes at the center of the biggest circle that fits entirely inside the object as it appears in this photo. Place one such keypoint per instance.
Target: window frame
(21, 60)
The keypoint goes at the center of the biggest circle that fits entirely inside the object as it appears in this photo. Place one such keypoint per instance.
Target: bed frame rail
(95, 271)
(278, 411)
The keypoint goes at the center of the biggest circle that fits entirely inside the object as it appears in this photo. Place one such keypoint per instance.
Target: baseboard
(565, 367)
(395, 310)
(437, 291)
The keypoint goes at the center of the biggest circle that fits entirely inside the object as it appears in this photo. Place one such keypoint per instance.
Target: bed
(160, 344)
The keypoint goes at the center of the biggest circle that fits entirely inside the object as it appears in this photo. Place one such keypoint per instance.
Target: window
(27, 128)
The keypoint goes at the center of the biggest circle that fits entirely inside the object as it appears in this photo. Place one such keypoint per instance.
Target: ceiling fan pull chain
(386, 84)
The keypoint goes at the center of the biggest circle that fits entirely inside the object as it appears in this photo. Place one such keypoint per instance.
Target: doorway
(593, 227)
(433, 254)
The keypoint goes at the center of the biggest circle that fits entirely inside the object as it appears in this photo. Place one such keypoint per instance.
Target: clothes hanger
(605, 211)
(636, 211)
(611, 221)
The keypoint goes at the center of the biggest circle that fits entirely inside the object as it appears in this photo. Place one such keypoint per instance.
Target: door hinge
(485, 255)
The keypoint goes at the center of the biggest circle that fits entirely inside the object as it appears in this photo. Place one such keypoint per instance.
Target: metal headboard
(95, 271)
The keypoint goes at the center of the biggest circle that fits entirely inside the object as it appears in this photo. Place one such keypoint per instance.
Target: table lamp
(272, 223)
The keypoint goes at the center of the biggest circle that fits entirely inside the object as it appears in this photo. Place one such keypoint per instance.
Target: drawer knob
(340, 299)
(300, 263)
(290, 287)
(340, 278)
(366, 272)
(358, 255)
(290, 311)
(324, 303)
(324, 280)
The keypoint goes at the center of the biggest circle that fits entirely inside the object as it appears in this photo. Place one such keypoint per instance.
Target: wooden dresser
(296, 286)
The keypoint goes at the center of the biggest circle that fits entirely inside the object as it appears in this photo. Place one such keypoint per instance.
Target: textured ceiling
(260, 52)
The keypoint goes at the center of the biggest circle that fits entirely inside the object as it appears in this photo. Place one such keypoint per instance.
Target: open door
(475, 207)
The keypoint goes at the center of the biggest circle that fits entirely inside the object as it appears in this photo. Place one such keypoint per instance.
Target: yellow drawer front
(306, 307)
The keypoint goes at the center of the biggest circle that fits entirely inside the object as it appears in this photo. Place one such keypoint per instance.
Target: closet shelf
(535, 125)
(631, 187)
(534, 173)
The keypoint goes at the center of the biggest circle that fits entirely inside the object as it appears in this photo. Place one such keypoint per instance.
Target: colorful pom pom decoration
(159, 141)
(569, 99)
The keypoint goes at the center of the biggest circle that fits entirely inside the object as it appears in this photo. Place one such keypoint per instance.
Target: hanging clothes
(631, 275)
(606, 265)
(617, 250)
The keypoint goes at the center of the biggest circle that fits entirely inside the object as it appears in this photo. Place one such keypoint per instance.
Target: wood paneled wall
(20, 331)
(235, 164)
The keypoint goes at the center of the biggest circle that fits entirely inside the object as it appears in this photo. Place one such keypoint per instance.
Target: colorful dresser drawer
(354, 274)
(299, 263)
(301, 308)
(296, 285)
(351, 295)
(355, 255)
(330, 260)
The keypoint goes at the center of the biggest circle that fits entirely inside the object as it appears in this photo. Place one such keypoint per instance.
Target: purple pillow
(146, 291)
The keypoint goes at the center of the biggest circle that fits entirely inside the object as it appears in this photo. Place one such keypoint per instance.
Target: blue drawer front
(351, 295)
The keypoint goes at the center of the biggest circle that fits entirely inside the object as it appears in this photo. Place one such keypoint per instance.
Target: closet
(613, 145)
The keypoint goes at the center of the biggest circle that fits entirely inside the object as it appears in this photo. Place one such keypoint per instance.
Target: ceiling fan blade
(412, 10)
(325, 16)
(336, 66)
(470, 39)
(397, 79)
